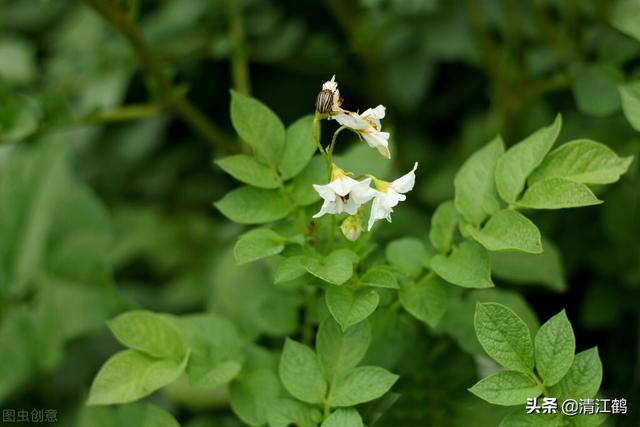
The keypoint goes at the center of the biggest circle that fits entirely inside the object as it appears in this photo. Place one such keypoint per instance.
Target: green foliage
(259, 127)
(468, 266)
(257, 244)
(301, 374)
(350, 306)
(504, 336)
(517, 163)
(506, 388)
(509, 230)
(630, 95)
(250, 205)
(132, 415)
(130, 375)
(148, 333)
(475, 187)
(426, 299)
(555, 346)
(110, 114)
(558, 373)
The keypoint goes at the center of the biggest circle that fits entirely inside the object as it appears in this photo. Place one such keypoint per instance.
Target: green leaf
(130, 415)
(302, 191)
(335, 268)
(299, 148)
(31, 182)
(248, 170)
(475, 189)
(520, 418)
(583, 379)
(506, 388)
(625, 16)
(443, 225)
(504, 336)
(250, 205)
(131, 375)
(509, 230)
(340, 351)
(350, 306)
(519, 161)
(425, 300)
(588, 420)
(287, 412)
(583, 161)
(408, 254)
(290, 269)
(344, 417)
(20, 116)
(555, 345)
(525, 268)
(301, 374)
(253, 394)
(361, 385)
(630, 95)
(258, 126)
(468, 266)
(558, 193)
(379, 277)
(216, 349)
(595, 89)
(258, 243)
(149, 333)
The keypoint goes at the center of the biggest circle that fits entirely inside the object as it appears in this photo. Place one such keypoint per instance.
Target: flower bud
(352, 227)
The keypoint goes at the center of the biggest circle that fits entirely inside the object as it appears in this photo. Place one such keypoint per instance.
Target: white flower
(389, 194)
(343, 194)
(368, 126)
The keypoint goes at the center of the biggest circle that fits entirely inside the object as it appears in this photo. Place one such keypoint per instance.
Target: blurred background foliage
(107, 179)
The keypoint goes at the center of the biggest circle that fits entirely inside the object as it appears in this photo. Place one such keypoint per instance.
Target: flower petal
(375, 113)
(343, 185)
(325, 191)
(378, 211)
(406, 182)
(328, 207)
(362, 192)
(332, 85)
(379, 141)
(351, 120)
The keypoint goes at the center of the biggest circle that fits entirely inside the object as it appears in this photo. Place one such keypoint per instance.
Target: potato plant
(301, 244)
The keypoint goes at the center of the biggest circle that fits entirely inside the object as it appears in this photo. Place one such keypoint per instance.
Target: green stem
(155, 68)
(316, 140)
(126, 113)
(333, 142)
(239, 57)
(307, 323)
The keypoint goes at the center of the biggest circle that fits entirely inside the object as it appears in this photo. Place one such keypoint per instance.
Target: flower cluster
(344, 193)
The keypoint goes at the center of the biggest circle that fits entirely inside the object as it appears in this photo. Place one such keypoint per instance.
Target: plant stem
(316, 140)
(307, 323)
(239, 56)
(333, 142)
(125, 113)
(155, 68)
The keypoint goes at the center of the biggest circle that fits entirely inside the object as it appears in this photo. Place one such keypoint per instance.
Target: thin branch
(126, 113)
(239, 55)
(155, 68)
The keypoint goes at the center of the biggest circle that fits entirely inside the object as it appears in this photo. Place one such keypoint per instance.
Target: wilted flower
(367, 125)
(328, 99)
(343, 194)
(352, 227)
(389, 194)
